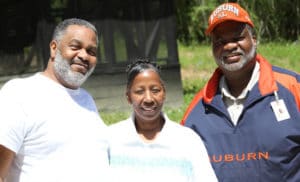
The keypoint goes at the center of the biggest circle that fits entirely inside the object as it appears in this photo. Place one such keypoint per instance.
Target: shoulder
(121, 131)
(12, 84)
(285, 76)
(21, 82)
(17, 86)
(84, 95)
(84, 92)
(184, 140)
(181, 131)
(286, 72)
(289, 80)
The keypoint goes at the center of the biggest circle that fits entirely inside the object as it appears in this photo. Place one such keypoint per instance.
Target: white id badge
(280, 110)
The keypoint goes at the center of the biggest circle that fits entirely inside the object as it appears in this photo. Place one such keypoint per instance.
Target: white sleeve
(12, 126)
(202, 166)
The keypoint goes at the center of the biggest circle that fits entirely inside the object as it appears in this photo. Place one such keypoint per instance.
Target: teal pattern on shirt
(179, 165)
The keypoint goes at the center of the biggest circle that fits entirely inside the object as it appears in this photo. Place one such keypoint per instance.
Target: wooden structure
(127, 29)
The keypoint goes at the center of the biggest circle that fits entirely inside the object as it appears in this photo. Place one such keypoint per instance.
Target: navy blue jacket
(259, 148)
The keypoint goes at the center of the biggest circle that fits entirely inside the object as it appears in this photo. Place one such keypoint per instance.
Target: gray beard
(63, 69)
(244, 60)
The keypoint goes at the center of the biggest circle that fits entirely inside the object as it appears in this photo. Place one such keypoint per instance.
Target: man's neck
(238, 81)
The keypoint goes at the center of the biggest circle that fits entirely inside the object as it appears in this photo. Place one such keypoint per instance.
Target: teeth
(232, 55)
(148, 109)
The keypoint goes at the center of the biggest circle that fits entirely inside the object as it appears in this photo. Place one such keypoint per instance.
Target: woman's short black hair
(139, 65)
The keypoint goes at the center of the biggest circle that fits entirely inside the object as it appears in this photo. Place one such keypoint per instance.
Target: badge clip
(279, 108)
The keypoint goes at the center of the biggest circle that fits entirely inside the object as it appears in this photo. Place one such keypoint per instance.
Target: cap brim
(212, 27)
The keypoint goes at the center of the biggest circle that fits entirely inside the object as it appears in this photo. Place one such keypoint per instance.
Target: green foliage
(282, 54)
(197, 65)
(273, 19)
(113, 117)
(192, 86)
(196, 56)
(192, 19)
(175, 114)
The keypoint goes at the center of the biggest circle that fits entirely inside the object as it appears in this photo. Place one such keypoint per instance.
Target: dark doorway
(127, 29)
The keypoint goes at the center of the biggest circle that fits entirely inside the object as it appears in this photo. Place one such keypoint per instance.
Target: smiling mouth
(82, 68)
(231, 58)
(149, 109)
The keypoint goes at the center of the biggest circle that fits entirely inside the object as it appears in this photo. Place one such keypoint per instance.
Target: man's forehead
(79, 33)
(230, 27)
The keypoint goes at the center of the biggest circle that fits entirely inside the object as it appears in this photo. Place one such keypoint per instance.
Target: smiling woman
(148, 145)
(146, 93)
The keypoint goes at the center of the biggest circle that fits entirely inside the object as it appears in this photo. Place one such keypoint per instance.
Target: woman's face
(147, 95)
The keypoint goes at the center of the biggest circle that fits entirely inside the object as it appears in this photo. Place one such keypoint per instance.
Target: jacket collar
(266, 82)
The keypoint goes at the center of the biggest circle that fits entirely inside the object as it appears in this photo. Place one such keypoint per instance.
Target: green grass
(285, 55)
(110, 118)
(197, 65)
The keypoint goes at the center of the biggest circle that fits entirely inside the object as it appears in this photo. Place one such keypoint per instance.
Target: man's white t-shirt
(56, 133)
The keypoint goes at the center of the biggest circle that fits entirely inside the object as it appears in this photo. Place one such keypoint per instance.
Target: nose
(230, 45)
(83, 55)
(148, 97)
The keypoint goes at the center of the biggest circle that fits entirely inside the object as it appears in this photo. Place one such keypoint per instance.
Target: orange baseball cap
(227, 12)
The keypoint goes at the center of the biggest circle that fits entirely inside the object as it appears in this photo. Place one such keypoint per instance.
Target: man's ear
(53, 48)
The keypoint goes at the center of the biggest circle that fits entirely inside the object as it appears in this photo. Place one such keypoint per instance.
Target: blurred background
(169, 32)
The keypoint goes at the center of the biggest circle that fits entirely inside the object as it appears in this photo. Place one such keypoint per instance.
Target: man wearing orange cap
(248, 112)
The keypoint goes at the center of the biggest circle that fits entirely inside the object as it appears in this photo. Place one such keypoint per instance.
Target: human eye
(155, 90)
(92, 52)
(240, 38)
(218, 43)
(138, 91)
(74, 46)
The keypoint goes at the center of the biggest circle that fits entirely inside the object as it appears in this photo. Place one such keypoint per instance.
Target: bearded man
(50, 128)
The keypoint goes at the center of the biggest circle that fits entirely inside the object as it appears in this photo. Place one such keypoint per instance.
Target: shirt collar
(254, 78)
